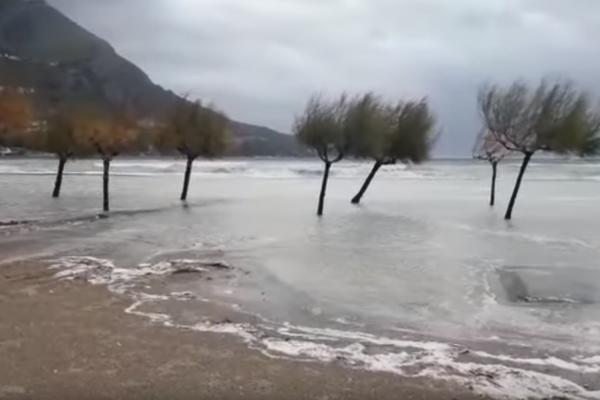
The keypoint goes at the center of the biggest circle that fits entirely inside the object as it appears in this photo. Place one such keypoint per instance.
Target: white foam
(103, 272)
(410, 358)
(548, 361)
(156, 165)
(589, 360)
(496, 380)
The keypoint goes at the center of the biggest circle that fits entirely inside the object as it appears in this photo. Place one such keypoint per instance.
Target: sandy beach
(70, 340)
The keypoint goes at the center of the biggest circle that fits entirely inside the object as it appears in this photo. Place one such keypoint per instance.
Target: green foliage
(367, 127)
(553, 117)
(322, 127)
(389, 133)
(108, 134)
(194, 130)
(590, 137)
(58, 134)
(413, 137)
(370, 125)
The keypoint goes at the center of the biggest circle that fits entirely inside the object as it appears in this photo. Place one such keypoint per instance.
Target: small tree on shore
(389, 134)
(487, 148)
(108, 135)
(323, 128)
(551, 118)
(194, 130)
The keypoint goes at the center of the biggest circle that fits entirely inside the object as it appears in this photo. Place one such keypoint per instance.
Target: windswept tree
(16, 116)
(487, 148)
(108, 135)
(323, 128)
(389, 133)
(551, 118)
(194, 130)
(58, 136)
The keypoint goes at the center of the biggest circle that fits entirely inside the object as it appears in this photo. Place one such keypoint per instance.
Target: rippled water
(423, 259)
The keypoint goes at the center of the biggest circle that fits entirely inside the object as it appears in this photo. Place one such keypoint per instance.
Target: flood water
(423, 260)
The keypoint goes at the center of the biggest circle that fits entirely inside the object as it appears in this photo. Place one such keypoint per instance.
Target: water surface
(424, 258)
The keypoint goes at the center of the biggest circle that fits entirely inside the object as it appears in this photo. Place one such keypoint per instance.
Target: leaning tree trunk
(513, 198)
(186, 179)
(105, 179)
(356, 199)
(493, 189)
(59, 175)
(324, 188)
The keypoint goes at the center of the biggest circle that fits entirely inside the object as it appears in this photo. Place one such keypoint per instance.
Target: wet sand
(71, 340)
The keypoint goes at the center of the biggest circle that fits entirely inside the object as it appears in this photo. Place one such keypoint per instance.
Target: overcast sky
(259, 60)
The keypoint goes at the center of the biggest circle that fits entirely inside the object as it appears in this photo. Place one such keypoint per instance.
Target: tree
(487, 148)
(323, 128)
(16, 115)
(193, 130)
(389, 133)
(552, 118)
(108, 135)
(590, 136)
(58, 136)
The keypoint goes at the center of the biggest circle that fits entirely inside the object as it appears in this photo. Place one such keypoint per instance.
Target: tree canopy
(388, 133)
(552, 117)
(323, 127)
(194, 130)
(107, 134)
(487, 148)
(58, 134)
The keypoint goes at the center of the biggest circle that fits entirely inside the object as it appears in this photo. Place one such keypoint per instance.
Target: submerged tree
(194, 130)
(389, 134)
(108, 135)
(322, 127)
(58, 136)
(552, 118)
(487, 148)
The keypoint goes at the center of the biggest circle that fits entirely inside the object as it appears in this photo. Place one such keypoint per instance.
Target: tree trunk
(105, 179)
(513, 198)
(493, 189)
(59, 175)
(186, 179)
(323, 188)
(365, 186)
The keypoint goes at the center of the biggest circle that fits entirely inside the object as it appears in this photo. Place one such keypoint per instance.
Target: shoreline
(62, 339)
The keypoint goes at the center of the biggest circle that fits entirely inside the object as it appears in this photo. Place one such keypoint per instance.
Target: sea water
(422, 279)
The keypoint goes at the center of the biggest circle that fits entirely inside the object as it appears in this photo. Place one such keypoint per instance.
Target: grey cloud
(259, 60)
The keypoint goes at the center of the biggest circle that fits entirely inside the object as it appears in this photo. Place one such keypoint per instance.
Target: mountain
(42, 49)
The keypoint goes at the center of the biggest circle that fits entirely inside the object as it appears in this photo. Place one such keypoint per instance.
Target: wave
(509, 377)
(157, 165)
(286, 169)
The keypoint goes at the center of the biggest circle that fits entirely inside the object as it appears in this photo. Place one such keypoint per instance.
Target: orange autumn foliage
(15, 115)
(109, 136)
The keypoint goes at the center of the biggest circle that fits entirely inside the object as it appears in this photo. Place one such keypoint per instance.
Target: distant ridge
(41, 48)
